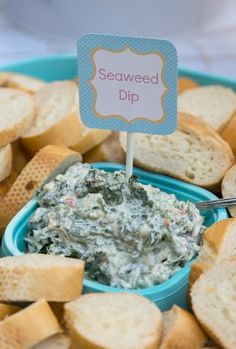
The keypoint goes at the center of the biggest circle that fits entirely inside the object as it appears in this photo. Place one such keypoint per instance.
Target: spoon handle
(227, 202)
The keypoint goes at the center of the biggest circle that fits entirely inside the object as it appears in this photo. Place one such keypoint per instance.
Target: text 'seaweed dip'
(129, 234)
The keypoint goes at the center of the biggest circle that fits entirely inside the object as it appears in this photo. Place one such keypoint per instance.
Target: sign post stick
(129, 154)
(128, 84)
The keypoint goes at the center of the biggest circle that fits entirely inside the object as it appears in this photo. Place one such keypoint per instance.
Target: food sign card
(127, 83)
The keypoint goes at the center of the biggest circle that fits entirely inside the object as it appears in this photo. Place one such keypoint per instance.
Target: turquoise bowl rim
(192, 73)
(164, 290)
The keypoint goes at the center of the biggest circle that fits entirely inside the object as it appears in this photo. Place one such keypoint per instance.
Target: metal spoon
(216, 203)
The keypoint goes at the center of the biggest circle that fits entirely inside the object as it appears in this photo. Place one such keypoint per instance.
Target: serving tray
(173, 291)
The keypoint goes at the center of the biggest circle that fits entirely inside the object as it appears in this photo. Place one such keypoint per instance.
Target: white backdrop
(211, 49)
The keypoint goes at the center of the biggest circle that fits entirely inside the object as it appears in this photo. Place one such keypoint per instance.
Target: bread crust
(24, 329)
(201, 130)
(185, 84)
(217, 337)
(184, 331)
(63, 133)
(196, 271)
(6, 162)
(229, 134)
(65, 126)
(32, 273)
(22, 82)
(89, 139)
(216, 233)
(213, 239)
(43, 166)
(20, 126)
(25, 83)
(215, 104)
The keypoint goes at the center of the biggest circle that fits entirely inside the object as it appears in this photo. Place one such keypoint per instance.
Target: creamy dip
(129, 234)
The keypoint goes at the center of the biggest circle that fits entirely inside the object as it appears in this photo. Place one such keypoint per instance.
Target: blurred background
(204, 31)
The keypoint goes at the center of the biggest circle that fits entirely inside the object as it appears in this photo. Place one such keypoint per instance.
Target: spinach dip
(129, 234)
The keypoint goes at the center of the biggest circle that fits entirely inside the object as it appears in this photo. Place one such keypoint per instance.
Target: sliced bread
(228, 187)
(108, 151)
(113, 321)
(30, 277)
(214, 104)
(28, 327)
(24, 82)
(5, 161)
(219, 242)
(214, 302)
(89, 138)
(6, 310)
(59, 341)
(48, 162)
(185, 84)
(57, 118)
(181, 330)
(17, 112)
(194, 153)
(229, 134)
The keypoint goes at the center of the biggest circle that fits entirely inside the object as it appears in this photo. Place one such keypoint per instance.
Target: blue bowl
(164, 295)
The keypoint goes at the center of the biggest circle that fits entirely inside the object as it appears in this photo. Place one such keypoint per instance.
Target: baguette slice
(213, 302)
(30, 277)
(89, 139)
(216, 105)
(24, 82)
(59, 341)
(113, 321)
(28, 327)
(194, 153)
(185, 84)
(47, 163)
(17, 112)
(6, 310)
(228, 187)
(5, 162)
(219, 243)
(181, 330)
(57, 117)
(108, 151)
(229, 132)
